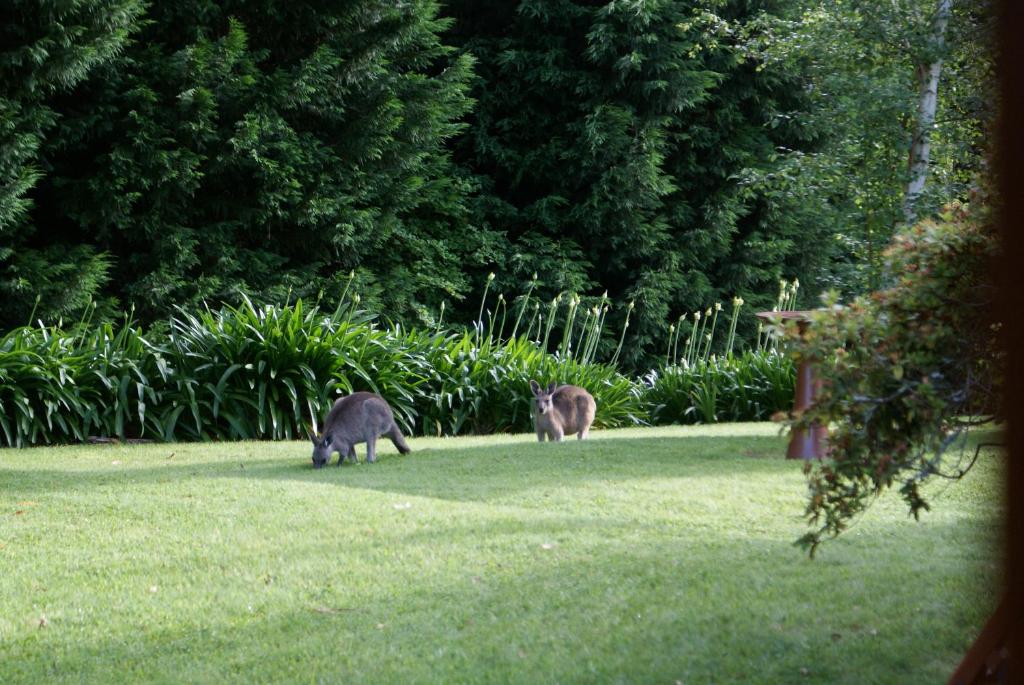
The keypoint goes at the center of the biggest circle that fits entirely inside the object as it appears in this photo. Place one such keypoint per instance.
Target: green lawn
(640, 556)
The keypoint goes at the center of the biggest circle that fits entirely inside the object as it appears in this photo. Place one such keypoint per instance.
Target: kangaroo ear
(535, 387)
(551, 387)
(312, 436)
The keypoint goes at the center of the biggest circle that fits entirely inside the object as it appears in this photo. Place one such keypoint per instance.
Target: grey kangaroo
(359, 417)
(560, 410)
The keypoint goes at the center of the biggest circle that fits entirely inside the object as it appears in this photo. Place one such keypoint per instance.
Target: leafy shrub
(57, 386)
(252, 372)
(267, 372)
(485, 388)
(750, 387)
(35, 391)
(903, 369)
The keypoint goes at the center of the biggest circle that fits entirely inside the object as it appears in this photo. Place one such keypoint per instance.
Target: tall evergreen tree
(266, 147)
(46, 47)
(614, 142)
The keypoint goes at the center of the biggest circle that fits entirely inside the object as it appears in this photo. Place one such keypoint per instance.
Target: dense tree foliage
(861, 63)
(46, 48)
(260, 147)
(674, 152)
(616, 143)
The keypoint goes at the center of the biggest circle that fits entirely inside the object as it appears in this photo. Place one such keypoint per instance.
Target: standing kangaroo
(560, 410)
(359, 417)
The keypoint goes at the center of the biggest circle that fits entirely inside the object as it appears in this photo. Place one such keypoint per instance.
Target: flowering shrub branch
(905, 371)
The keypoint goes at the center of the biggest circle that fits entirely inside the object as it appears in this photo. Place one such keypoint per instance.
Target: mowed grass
(640, 556)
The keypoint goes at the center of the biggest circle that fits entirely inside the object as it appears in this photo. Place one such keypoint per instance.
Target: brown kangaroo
(560, 410)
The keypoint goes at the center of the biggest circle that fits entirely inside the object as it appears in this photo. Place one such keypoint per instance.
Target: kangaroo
(560, 410)
(359, 417)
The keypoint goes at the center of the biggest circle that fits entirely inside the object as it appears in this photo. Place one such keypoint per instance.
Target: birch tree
(928, 78)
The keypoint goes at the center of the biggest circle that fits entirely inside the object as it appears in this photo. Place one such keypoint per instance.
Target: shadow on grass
(620, 613)
(613, 600)
(473, 472)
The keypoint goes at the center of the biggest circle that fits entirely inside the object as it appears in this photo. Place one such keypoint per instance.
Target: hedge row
(267, 372)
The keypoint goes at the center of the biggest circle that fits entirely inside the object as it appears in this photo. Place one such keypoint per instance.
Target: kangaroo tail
(398, 439)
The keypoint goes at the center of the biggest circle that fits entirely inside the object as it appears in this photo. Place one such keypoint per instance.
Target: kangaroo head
(322, 448)
(543, 396)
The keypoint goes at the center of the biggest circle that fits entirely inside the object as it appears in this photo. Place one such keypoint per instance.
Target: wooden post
(812, 443)
(803, 443)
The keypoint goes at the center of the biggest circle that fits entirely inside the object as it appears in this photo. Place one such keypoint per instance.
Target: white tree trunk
(920, 147)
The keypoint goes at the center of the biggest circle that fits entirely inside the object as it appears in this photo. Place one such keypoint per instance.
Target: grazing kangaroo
(359, 417)
(560, 410)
